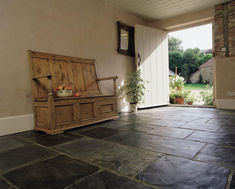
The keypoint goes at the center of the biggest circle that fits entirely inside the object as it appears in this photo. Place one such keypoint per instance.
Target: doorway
(191, 66)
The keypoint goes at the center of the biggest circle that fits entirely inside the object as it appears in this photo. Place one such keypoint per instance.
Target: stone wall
(224, 55)
(206, 73)
(224, 29)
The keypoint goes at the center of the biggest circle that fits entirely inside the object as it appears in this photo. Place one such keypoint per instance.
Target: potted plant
(134, 89)
(190, 99)
(178, 96)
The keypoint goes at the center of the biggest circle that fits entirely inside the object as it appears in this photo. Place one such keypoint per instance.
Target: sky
(200, 37)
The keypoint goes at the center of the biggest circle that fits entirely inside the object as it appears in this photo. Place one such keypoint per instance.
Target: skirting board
(225, 104)
(16, 124)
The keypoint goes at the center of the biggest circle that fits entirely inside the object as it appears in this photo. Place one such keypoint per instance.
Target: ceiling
(152, 10)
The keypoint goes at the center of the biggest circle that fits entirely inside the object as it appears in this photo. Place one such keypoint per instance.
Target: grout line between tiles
(199, 152)
(190, 134)
(13, 186)
(27, 164)
(79, 180)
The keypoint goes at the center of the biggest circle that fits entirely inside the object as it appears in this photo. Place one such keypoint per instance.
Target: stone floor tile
(108, 124)
(201, 126)
(232, 183)
(124, 160)
(113, 123)
(167, 145)
(138, 119)
(55, 173)
(201, 120)
(100, 132)
(10, 143)
(213, 137)
(179, 173)
(217, 154)
(179, 117)
(226, 129)
(145, 114)
(23, 153)
(141, 127)
(217, 120)
(230, 123)
(170, 132)
(85, 147)
(168, 123)
(105, 180)
(45, 139)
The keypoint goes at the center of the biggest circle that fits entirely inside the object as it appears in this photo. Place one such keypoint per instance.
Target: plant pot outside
(133, 107)
(179, 100)
(190, 103)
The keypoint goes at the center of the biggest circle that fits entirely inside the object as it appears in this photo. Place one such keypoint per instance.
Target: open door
(151, 47)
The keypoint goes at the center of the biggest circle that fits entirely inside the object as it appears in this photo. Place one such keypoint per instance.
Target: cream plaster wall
(225, 77)
(80, 28)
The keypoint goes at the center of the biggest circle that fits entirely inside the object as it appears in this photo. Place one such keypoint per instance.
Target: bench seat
(72, 97)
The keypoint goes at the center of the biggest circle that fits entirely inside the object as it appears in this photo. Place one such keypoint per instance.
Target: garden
(190, 94)
(185, 63)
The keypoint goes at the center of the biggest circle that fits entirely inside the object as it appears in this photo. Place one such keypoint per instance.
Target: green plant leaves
(134, 87)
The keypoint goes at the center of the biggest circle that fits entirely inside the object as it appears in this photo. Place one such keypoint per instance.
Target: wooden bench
(53, 114)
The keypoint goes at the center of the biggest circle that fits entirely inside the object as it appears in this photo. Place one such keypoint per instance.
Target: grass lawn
(195, 86)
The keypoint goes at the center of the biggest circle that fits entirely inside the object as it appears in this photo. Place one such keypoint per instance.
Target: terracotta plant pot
(133, 107)
(179, 100)
(190, 103)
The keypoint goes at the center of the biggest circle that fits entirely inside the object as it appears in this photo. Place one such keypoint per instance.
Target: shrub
(200, 79)
(207, 96)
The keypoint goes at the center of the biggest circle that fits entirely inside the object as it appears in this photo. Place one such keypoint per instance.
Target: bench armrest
(42, 76)
(107, 78)
(48, 76)
(114, 78)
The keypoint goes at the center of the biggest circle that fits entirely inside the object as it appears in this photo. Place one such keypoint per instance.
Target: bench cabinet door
(86, 111)
(106, 109)
(65, 114)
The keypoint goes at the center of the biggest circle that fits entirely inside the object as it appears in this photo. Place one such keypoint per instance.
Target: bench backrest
(76, 72)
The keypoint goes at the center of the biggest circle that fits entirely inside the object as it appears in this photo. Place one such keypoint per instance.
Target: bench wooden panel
(53, 114)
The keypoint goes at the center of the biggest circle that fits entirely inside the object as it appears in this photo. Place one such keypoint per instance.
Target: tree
(174, 44)
(185, 72)
(190, 60)
(205, 58)
(175, 59)
(187, 61)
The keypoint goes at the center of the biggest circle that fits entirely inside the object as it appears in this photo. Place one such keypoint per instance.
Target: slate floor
(165, 148)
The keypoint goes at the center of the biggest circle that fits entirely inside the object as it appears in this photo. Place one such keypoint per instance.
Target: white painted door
(151, 47)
